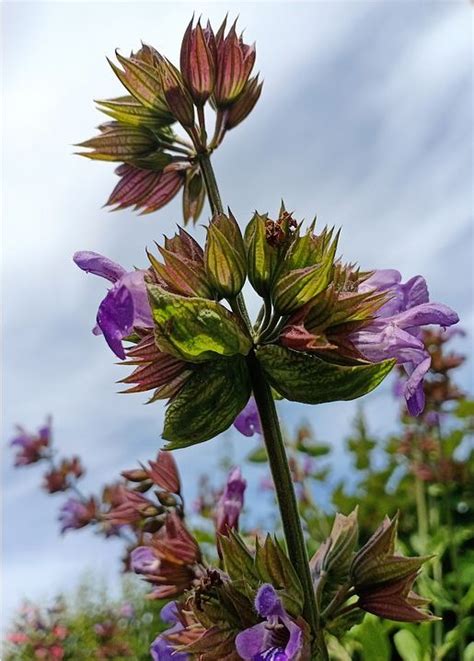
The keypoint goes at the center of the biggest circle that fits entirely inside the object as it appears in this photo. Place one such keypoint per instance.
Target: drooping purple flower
(248, 420)
(30, 447)
(395, 331)
(160, 649)
(126, 305)
(231, 502)
(278, 638)
(75, 514)
(144, 561)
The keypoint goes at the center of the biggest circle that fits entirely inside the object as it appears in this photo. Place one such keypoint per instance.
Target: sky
(364, 120)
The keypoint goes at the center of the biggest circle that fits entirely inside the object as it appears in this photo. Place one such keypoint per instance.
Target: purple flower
(248, 420)
(127, 610)
(75, 514)
(30, 447)
(395, 331)
(231, 502)
(144, 561)
(160, 649)
(278, 638)
(126, 305)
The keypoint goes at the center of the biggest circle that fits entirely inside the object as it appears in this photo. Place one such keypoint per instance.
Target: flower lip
(97, 264)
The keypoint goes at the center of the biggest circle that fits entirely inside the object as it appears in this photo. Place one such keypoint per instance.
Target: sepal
(303, 377)
(225, 256)
(208, 403)
(195, 329)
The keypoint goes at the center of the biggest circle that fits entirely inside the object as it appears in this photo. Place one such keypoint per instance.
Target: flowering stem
(211, 184)
(285, 495)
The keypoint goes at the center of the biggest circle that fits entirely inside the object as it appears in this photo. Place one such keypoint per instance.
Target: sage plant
(327, 331)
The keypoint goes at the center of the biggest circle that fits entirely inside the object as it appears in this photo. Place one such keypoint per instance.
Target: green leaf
(408, 646)
(258, 456)
(302, 377)
(274, 567)
(374, 640)
(314, 449)
(195, 329)
(465, 409)
(237, 559)
(208, 403)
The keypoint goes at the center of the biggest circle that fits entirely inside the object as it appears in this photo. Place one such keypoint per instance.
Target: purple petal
(389, 342)
(135, 283)
(295, 643)
(169, 613)
(161, 650)
(273, 654)
(248, 421)
(93, 262)
(415, 292)
(231, 502)
(144, 561)
(381, 280)
(267, 602)
(115, 318)
(252, 641)
(424, 315)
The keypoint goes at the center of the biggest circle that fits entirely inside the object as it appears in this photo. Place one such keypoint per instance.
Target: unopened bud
(225, 256)
(244, 103)
(135, 475)
(176, 94)
(198, 62)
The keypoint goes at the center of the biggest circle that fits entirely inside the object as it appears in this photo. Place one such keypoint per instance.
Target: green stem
(275, 449)
(211, 184)
(421, 512)
(285, 495)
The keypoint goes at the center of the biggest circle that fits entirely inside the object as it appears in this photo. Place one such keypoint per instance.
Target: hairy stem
(285, 495)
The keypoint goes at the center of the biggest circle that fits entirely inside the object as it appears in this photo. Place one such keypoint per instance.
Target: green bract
(208, 403)
(225, 256)
(195, 329)
(303, 377)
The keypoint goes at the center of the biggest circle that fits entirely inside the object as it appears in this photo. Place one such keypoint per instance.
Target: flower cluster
(31, 448)
(251, 608)
(155, 162)
(327, 331)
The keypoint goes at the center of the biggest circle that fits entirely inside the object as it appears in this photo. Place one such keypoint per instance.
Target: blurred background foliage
(424, 470)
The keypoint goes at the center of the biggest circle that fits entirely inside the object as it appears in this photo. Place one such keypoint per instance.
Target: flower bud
(198, 62)
(135, 475)
(244, 103)
(231, 502)
(177, 97)
(225, 256)
(261, 256)
(235, 61)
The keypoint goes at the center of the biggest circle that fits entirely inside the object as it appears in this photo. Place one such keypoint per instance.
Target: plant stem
(285, 495)
(211, 184)
(275, 449)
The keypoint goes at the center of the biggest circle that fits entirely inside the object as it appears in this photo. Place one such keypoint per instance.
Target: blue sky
(365, 120)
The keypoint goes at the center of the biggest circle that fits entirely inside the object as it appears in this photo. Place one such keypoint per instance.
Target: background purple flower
(248, 420)
(30, 447)
(144, 561)
(75, 514)
(231, 502)
(126, 305)
(395, 332)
